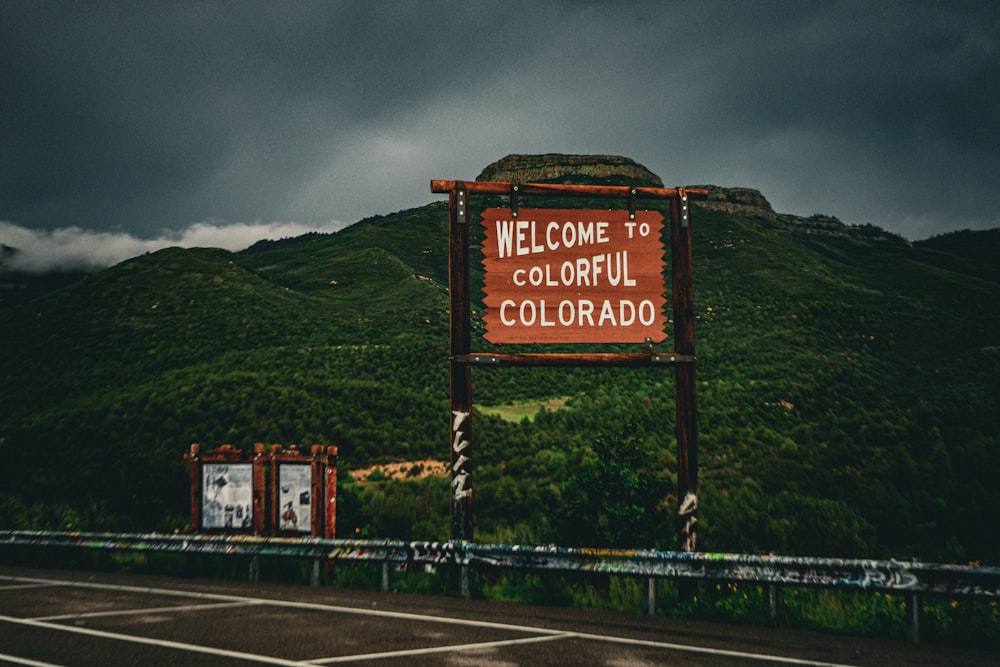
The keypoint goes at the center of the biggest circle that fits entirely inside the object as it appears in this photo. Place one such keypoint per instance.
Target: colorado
(577, 313)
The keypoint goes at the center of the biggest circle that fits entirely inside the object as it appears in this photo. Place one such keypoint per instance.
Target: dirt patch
(403, 470)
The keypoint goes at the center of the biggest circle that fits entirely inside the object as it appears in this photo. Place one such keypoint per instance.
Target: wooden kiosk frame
(462, 358)
(227, 490)
(312, 478)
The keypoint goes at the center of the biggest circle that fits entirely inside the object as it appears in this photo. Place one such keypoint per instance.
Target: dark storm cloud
(137, 118)
(169, 113)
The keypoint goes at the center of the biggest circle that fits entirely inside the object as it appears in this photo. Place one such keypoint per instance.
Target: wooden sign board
(304, 491)
(573, 276)
(227, 490)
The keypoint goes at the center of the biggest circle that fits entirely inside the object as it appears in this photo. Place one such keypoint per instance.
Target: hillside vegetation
(848, 387)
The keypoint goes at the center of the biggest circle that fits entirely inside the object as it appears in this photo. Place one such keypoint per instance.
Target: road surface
(54, 617)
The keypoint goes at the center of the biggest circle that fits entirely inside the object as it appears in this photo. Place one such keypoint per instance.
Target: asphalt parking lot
(50, 617)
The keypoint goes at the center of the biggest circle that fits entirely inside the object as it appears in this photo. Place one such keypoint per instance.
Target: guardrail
(909, 578)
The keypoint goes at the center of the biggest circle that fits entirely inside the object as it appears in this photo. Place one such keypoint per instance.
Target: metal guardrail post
(651, 596)
(913, 618)
(773, 593)
(255, 568)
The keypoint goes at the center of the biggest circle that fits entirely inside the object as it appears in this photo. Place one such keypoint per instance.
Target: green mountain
(848, 391)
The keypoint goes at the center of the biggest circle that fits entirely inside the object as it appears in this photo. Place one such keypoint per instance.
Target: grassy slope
(847, 389)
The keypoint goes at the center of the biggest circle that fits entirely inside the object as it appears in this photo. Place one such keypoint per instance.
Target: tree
(613, 500)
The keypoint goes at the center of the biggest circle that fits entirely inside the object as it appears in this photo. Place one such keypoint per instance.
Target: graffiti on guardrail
(874, 575)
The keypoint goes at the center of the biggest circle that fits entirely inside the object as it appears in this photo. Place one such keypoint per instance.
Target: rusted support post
(461, 373)
(259, 461)
(317, 490)
(651, 596)
(330, 529)
(686, 405)
(192, 457)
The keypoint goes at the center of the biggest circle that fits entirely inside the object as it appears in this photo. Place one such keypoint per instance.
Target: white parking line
(147, 610)
(24, 661)
(542, 633)
(437, 649)
(16, 587)
(160, 643)
(584, 636)
(709, 651)
(402, 615)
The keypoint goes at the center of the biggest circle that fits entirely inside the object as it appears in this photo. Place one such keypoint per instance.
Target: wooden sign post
(571, 276)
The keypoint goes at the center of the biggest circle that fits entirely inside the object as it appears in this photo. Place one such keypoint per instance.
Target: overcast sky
(130, 125)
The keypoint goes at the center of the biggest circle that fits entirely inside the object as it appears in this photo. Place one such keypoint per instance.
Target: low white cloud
(72, 248)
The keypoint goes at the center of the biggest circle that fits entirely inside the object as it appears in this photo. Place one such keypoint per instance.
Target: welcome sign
(573, 276)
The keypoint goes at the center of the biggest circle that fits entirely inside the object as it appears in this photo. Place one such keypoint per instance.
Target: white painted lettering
(535, 276)
(569, 235)
(528, 306)
(552, 227)
(583, 272)
(596, 264)
(507, 303)
(602, 233)
(626, 320)
(505, 238)
(607, 315)
(567, 313)
(521, 237)
(578, 313)
(541, 319)
(615, 275)
(537, 247)
(566, 273)
(647, 312)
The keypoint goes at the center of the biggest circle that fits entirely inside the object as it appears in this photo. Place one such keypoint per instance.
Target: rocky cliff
(751, 203)
(739, 201)
(559, 168)
(618, 170)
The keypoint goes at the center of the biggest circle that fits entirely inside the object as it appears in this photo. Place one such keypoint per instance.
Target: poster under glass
(295, 497)
(227, 496)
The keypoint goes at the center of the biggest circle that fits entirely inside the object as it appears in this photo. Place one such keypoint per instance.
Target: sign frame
(206, 494)
(263, 467)
(462, 359)
(319, 466)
